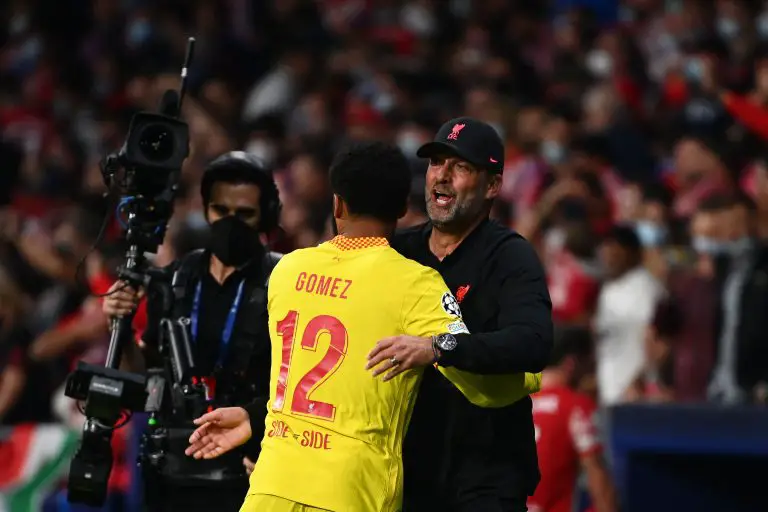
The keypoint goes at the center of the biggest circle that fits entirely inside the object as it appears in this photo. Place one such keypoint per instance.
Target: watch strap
(436, 350)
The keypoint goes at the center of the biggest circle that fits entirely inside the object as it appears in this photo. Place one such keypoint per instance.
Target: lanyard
(228, 326)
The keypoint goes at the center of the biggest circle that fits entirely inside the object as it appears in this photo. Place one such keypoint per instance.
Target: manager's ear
(494, 185)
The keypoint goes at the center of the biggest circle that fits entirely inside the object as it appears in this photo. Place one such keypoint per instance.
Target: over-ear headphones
(243, 166)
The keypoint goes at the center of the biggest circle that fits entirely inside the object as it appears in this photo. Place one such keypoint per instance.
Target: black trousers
(193, 499)
(491, 504)
(482, 503)
(479, 484)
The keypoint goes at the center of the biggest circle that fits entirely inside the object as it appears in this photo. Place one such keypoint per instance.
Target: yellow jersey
(334, 433)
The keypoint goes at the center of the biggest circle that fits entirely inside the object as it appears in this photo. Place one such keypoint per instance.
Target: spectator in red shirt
(566, 436)
(84, 333)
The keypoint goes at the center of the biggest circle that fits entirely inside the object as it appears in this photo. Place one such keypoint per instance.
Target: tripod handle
(122, 333)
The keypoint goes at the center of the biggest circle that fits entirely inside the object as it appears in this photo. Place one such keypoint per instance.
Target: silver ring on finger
(394, 361)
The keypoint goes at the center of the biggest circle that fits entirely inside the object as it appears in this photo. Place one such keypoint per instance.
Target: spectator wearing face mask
(625, 306)
(741, 273)
(693, 289)
(652, 227)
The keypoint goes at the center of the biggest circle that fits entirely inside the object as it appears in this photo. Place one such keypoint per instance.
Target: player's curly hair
(373, 178)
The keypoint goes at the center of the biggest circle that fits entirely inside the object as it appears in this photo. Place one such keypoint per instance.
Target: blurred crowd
(635, 159)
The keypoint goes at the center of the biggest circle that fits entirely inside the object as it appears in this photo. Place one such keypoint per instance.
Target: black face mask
(234, 242)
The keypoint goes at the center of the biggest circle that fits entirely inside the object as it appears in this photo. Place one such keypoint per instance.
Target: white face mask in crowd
(384, 102)
(713, 247)
(409, 143)
(418, 20)
(694, 69)
(650, 233)
(708, 246)
(761, 25)
(727, 28)
(263, 150)
(599, 63)
(553, 152)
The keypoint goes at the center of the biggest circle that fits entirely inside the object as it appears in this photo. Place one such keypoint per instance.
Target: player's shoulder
(297, 257)
(408, 269)
(561, 398)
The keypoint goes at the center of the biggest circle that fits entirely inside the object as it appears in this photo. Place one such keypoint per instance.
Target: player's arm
(493, 390)
(584, 438)
(434, 311)
(599, 483)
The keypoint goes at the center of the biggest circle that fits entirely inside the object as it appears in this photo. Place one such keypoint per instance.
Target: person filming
(220, 294)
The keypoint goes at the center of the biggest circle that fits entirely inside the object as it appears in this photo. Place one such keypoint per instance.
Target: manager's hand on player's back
(218, 432)
(121, 299)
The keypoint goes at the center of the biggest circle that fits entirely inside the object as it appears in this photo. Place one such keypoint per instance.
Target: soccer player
(566, 436)
(334, 433)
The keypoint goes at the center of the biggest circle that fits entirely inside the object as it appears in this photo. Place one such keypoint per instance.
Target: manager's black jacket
(455, 453)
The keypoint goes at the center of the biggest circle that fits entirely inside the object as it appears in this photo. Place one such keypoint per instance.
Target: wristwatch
(443, 343)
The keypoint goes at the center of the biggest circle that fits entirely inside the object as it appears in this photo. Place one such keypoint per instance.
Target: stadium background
(623, 112)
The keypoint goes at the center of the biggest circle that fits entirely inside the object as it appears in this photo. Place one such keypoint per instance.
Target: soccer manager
(459, 457)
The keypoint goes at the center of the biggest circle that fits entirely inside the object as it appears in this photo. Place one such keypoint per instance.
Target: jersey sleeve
(432, 309)
(498, 390)
(582, 428)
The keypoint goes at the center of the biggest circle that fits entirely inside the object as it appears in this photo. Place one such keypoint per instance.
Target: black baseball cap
(469, 139)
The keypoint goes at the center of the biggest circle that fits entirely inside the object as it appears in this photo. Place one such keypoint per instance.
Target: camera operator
(223, 294)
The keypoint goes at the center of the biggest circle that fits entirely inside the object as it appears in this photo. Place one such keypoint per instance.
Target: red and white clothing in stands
(565, 432)
(523, 182)
(573, 287)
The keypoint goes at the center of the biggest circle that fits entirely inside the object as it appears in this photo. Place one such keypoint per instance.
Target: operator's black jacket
(456, 452)
(243, 378)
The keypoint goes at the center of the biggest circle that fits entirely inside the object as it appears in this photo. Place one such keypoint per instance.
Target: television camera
(145, 175)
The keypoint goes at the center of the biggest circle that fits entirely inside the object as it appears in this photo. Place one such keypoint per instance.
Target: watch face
(446, 342)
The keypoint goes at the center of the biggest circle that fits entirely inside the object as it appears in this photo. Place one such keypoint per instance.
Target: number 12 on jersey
(302, 403)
